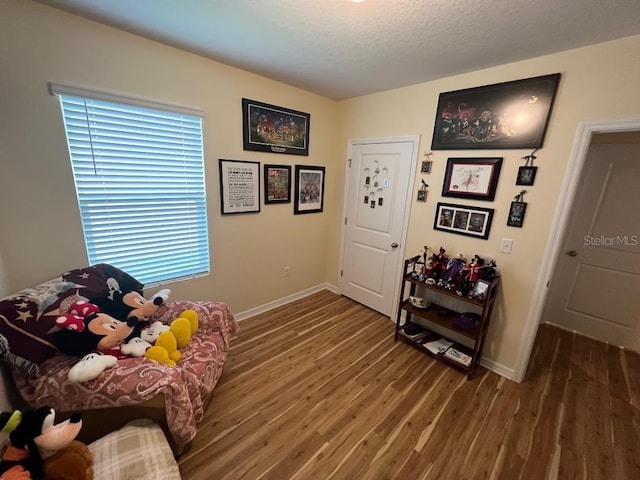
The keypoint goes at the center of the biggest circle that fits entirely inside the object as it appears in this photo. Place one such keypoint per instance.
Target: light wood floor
(318, 389)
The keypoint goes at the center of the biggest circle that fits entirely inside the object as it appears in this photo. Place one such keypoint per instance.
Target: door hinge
(345, 220)
(349, 160)
(341, 272)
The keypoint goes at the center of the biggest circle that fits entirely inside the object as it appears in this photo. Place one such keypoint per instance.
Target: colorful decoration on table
(451, 278)
(517, 210)
(35, 439)
(426, 163)
(422, 192)
(527, 173)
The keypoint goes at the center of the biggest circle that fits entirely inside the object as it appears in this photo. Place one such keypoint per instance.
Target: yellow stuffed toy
(168, 343)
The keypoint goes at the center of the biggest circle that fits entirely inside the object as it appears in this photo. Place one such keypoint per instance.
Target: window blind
(139, 177)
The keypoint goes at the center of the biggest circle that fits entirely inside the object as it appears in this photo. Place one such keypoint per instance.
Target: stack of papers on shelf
(458, 356)
(438, 346)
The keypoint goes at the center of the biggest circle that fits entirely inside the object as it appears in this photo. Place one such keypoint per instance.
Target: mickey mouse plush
(86, 329)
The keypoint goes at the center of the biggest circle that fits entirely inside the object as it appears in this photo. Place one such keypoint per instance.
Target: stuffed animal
(87, 329)
(126, 305)
(167, 340)
(34, 438)
(74, 462)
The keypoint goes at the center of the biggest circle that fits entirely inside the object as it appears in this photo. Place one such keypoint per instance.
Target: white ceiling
(341, 49)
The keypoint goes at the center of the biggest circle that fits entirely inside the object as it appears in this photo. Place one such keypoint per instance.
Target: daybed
(175, 397)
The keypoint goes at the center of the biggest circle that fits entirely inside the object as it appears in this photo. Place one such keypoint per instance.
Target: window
(139, 178)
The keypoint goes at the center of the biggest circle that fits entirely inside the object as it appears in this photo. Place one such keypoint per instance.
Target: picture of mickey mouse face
(112, 331)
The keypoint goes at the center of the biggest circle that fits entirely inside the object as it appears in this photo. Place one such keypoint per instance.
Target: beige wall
(598, 82)
(42, 235)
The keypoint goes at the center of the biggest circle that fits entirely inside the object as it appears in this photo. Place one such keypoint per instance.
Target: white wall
(41, 234)
(598, 82)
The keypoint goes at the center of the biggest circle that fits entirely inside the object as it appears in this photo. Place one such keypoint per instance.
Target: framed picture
(239, 186)
(277, 184)
(267, 128)
(422, 196)
(463, 220)
(516, 214)
(473, 178)
(425, 167)
(500, 116)
(526, 175)
(480, 289)
(309, 191)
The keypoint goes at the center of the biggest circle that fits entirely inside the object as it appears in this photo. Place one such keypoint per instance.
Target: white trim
(577, 159)
(415, 139)
(284, 300)
(496, 367)
(62, 89)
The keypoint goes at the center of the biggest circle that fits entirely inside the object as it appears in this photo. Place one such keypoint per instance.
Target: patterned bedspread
(135, 380)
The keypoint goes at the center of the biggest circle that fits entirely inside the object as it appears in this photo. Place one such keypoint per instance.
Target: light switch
(506, 245)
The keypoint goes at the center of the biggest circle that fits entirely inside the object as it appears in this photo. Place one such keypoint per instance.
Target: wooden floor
(318, 389)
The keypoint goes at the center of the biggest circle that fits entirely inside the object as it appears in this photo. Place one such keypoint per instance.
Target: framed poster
(473, 178)
(277, 184)
(267, 128)
(309, 190)
(500, 116)
(239, 186)
(463, 220)
(526, 175)
(516, 214)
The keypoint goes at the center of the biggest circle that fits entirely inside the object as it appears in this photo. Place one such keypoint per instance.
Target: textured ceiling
(341, 49)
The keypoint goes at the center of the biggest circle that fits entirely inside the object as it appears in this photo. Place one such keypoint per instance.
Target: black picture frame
(309, 189)
(426, 166)
(422, 196)
(472, 178)
(239, 186)
(526, 175)
(463, 220)
(277, 184)
(517, 211)
(505, 115)
(269, 128)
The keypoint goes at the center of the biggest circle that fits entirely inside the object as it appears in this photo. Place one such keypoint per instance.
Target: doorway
(586, 131)
(379, 177)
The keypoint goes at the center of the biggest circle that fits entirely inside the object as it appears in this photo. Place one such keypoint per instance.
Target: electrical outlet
(506, 245)
(286, 271)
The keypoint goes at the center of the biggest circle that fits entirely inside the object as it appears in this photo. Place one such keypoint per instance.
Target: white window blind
(139, 177)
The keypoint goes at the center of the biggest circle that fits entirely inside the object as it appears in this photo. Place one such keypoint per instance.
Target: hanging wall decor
(309, 190)
(505, 115)
(239, 186)
(277, 184)
(472, 178)
(267, 128)
(527, 173)
(463, 220)
(422, 192)
(426, 163)
(517, 210)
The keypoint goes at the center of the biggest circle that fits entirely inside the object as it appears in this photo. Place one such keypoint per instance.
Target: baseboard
(498, 368)
(284, 300)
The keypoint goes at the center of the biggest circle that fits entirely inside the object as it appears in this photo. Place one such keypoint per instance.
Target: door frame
(577, 160)
(415, 139)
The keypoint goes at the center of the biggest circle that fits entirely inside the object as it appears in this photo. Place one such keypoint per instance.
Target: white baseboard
(284, 300)
(498, 368)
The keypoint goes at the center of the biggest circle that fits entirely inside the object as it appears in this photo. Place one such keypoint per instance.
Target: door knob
(394, 245)
(572, 253)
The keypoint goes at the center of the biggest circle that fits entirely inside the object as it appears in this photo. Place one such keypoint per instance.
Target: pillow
(137, 451)
(27, 319)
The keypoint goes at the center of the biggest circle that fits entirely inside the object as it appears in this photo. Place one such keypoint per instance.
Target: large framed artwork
(309, 190)
(463, 220)
(268, 128)
(473, 178)
(239, 186)
(501, 116)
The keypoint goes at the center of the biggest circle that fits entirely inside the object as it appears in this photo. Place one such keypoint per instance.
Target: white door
(596, 287)
(377, 202)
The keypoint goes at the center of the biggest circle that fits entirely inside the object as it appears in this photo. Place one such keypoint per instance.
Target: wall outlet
(286, 271)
